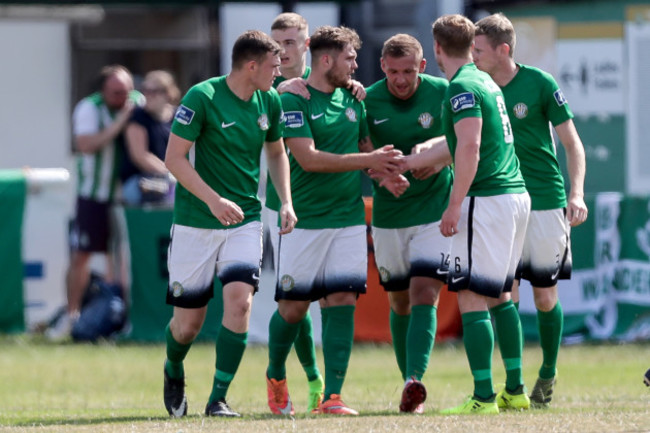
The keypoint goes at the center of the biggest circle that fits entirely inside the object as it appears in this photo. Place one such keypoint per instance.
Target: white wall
(35, 119)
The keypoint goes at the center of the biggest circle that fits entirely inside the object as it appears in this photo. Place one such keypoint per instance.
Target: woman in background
(146, 179)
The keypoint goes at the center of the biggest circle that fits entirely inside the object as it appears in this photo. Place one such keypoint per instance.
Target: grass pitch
(118, 388)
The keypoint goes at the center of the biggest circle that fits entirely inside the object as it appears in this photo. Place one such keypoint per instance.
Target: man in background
(98, 122)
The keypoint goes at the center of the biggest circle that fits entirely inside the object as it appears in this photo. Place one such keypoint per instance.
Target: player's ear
(423, 65)
(251, 65)
(307, 41)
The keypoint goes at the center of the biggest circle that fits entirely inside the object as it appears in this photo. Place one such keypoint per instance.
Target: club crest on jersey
(263, 122)
(520, 110)
(559, 97)
(287, 282)
(426, 120)
(177, 289)
(351, 114)
(384, 274)
(294, 119)
(462, 101)
(184, 115)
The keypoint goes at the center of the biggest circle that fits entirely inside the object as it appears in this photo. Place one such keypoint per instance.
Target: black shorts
(91, 228)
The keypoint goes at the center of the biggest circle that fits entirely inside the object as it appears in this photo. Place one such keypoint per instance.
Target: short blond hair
(290, 20)
(402, 45)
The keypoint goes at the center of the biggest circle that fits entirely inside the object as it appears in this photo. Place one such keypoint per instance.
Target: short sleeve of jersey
(85, 118)
(463, 101)
(190, 114)
(276, 128)
(295, 116)
(556, 105)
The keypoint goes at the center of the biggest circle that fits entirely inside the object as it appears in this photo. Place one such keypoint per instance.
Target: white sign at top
(590, 73)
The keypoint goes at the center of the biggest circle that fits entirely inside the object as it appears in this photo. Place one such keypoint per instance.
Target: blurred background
(598, 51)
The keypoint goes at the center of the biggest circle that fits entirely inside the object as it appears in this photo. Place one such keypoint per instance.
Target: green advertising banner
(149, 235)
(608, 296)
(13, 188)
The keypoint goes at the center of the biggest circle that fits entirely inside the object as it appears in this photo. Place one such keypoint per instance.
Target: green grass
(116, 388)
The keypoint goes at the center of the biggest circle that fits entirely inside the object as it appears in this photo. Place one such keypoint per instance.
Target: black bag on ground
(103, 312)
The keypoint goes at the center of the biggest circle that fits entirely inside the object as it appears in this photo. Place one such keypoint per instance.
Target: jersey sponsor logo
(380, 121)
(184, 115)
(351, 114)
(225, 125)
(520, 110)
(316, 116)
(426, 120)
(559, 97)
(294, 119)
(462, 101)
(263, 122)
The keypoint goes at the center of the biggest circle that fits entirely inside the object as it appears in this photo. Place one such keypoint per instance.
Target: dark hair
(252, 45)
(455, 34)
(498, 30)
(328, 38)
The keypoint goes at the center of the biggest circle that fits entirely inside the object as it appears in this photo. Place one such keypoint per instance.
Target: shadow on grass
(81, 421)
(56, 421)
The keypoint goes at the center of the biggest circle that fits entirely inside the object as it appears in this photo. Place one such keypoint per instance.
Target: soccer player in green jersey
(325, 258)
(487, 213)
(411, 254)
(291, 31)
(534, 99)
(214, 149)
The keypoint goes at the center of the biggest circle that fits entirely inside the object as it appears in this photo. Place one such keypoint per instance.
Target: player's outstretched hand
(387, 160)
(577, 211)
(227, 212)
(297, 86)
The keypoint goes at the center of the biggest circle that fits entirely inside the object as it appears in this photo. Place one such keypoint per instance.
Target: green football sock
(281, 337)
(479, 345)
(399, 325)
(337, 346)
(509, 336)
(550, 326)
(176, 353)
(420, 339)
(305, 348)
(230, 350)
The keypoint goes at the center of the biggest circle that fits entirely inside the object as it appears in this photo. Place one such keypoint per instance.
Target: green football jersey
(228, 135)
(405, 123)
(272, 200)
(534, 99)
(472, 93)
(336, 122)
